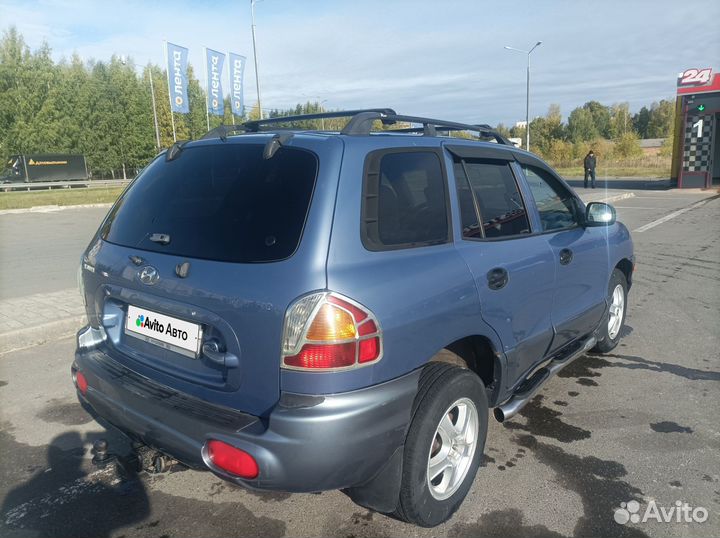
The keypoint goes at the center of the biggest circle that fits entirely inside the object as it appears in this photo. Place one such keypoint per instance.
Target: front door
(580, 256)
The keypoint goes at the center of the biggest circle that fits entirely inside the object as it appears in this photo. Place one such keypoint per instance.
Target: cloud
(421, 57)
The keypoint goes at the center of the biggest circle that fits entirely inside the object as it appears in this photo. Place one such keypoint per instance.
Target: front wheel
(617, 300)
(444, 445)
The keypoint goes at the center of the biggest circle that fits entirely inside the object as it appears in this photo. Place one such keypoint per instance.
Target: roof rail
(222, 131)
(361, 123)
(254, 126)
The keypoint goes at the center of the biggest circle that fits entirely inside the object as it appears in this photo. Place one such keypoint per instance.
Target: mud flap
(381, 492)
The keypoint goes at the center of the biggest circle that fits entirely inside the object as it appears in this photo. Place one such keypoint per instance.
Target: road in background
(639, 423)
(40, 252)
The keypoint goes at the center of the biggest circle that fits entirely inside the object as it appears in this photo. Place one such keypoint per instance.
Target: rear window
(404, 200)
(219, 202)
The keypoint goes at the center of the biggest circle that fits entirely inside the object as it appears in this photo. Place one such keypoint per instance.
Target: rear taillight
(232, 459)
(326, 331)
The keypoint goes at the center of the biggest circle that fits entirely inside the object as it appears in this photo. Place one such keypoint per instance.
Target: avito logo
(146, 322)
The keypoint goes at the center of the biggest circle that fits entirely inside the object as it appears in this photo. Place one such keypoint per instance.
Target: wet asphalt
(640, 423)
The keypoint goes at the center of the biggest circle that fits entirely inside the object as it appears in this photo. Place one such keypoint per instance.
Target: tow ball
(142, 458)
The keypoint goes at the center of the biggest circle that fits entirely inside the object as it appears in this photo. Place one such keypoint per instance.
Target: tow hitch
(142, 458)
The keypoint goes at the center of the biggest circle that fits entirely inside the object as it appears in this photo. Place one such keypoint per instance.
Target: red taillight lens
(232, 459)
(323, 356)
(369, 350)
(366, 328)
(81, 382)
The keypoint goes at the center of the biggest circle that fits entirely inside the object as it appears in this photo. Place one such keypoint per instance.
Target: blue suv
(305, 310)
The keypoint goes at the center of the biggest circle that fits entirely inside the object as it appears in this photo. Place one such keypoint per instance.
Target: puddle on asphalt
(669, 427)
(596, 481)
(67, 412)
(541, 420)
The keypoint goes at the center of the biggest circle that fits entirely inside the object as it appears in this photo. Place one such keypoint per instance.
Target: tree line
(611, 129)
(103, 110)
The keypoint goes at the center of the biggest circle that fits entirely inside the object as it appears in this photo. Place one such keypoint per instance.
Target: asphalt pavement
(637, 424)
(40, 250)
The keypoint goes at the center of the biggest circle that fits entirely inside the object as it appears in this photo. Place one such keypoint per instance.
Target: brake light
(325, 331)
(232, 459)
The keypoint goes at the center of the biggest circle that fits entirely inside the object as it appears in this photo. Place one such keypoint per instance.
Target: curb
(50, 208)
(617, 197)
(39, 334)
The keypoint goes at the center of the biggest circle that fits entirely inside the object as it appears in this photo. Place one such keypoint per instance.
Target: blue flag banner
(177, 59)
(237, 67)
(215, 101)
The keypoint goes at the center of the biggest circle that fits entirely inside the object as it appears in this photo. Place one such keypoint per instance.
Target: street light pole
(257, 77)
(527, 92)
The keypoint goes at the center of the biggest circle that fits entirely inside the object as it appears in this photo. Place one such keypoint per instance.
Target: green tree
(620, 120)
(662, 117)
(640, 121)
(601, 117)
(627, 145)
(503, 130)
(544, 130)
(581, 126)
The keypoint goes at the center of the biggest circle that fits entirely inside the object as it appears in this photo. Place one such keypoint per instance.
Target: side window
(555, 203)
(494, 200)
(404, 202)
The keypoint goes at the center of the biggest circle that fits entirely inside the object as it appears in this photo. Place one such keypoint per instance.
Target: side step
(532, 384)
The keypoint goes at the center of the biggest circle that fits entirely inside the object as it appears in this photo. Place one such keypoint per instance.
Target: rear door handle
(497, 278)
(566, 256)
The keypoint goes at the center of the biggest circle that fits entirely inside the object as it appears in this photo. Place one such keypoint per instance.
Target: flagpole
(167, 68)
(155, 120)
(230, 85)
(207, 93)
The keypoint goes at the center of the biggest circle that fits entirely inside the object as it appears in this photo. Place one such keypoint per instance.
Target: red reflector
(231, 459)
(357, 313)
(81, 382)
(366, 328)
(369, 350)
(323, 356)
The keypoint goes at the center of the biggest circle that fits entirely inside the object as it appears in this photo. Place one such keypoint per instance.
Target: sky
(440, 58)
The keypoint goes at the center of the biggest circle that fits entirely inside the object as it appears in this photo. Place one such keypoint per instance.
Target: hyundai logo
(148, 275)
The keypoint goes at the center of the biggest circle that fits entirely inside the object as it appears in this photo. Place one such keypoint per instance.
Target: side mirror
(599, 214)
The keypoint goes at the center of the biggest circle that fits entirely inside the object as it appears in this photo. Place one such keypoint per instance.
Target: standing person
(589, 163)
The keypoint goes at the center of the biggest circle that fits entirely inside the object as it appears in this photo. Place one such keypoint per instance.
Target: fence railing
(75, 184)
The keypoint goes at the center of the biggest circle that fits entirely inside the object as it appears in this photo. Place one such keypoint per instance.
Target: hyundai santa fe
(305, 310)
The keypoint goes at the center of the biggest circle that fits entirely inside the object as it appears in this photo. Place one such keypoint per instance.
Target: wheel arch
(478, 354)
(627, 267)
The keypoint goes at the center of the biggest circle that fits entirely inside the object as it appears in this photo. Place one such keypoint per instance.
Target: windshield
(221, 202)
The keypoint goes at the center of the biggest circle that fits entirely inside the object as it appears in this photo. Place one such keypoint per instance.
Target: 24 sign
(695, 76)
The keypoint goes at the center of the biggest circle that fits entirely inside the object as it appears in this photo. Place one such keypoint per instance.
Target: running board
(532, 384)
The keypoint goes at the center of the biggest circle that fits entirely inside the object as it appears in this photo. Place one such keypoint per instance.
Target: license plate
(164, 331)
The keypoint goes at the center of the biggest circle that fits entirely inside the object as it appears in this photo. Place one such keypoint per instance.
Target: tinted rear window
(404, 200)
(220, 202)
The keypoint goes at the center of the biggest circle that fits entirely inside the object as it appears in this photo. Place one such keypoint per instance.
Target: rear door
(580, 255)
(214, 244)
(513, 269)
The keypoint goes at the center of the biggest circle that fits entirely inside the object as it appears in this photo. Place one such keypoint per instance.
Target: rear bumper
(307, 443)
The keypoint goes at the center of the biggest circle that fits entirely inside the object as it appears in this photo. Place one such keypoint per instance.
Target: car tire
(448, 427)
(611, 328)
